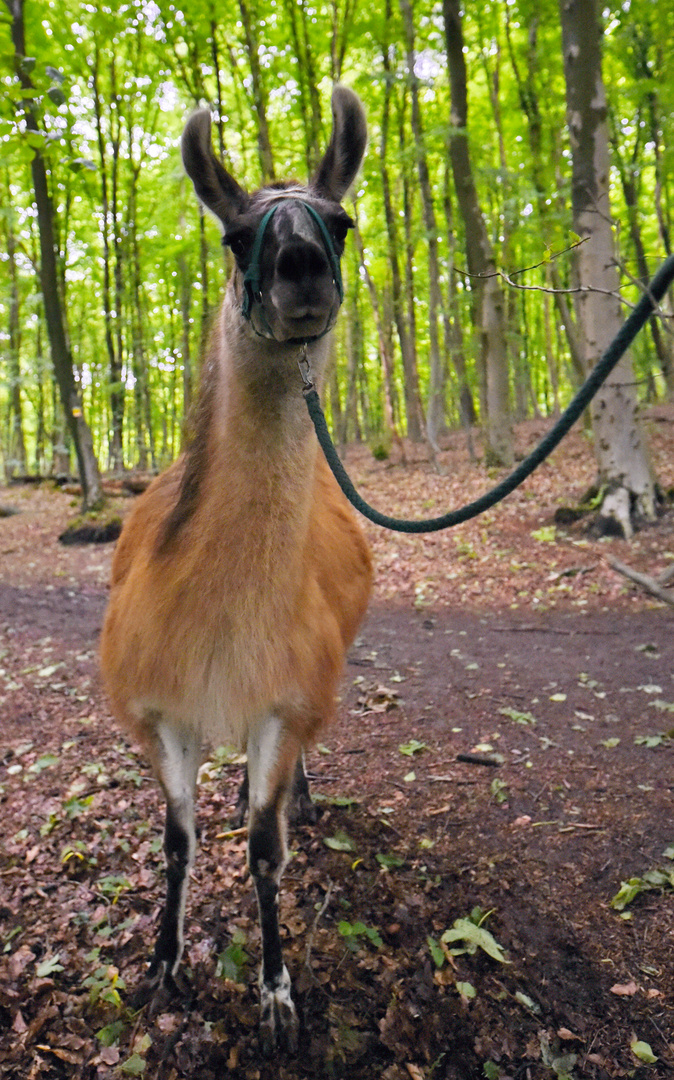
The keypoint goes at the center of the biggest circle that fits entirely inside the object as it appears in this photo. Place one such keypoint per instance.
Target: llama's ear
(218, 191)
(347, 145)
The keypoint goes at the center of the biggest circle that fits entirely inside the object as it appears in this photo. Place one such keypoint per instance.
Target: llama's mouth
(307, 326)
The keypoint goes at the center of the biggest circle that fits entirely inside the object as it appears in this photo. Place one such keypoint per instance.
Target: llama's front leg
(272, 754)
(176, 762)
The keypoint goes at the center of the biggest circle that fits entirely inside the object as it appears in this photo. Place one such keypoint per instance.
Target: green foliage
(104, 985)
(140, 275)
(414, 746)
(634, 886)
(339, 842)
(471, 935)
(234, 960)
(357, 933)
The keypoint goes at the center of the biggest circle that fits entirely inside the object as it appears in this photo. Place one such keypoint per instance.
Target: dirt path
(573, 702)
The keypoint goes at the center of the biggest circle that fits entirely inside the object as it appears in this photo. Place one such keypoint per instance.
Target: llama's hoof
(279, 1023)
(158, 990)
(303, 810)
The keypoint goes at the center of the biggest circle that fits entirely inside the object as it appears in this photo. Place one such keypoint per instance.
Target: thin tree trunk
(631, 196)
(259, 93)
(479, 254)
(622, 457)
(413, 410)
(435, 410)
(385, 354)
(61, 358)
(16, 456)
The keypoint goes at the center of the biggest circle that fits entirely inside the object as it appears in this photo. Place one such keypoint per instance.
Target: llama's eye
(238, 245)
(339, 231)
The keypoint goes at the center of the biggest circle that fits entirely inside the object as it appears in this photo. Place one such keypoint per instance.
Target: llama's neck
(261, 448)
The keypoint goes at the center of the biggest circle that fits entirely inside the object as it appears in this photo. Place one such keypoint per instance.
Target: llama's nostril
(298, 261)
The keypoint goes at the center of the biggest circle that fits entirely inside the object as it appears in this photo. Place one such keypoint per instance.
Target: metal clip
(305, 369)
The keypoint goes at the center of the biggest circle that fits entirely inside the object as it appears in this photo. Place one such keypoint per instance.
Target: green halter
(251, 278)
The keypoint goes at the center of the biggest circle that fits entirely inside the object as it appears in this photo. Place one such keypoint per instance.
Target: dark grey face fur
(298, 297)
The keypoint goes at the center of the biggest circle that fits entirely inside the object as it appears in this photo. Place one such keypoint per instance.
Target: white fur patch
(262, 752)
(180, 763)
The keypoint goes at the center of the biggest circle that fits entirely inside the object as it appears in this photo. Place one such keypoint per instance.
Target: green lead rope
(623, 339)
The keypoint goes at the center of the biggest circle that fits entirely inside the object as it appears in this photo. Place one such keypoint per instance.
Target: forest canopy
(99, 95)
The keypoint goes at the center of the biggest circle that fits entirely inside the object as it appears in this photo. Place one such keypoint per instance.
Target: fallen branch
(645, 580)
(478, 759)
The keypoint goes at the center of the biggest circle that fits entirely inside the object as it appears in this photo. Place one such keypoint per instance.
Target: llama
(241, 576)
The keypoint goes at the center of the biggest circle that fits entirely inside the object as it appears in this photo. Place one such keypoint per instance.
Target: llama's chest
(247, 652)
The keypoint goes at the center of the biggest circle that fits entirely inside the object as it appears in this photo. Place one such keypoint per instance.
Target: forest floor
(506, 638)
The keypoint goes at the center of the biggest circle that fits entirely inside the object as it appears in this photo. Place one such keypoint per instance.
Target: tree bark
(259, 94)
(479, 254)
(16, 452)
(92, 491)
(623, 461)
(435, 409)
(413, 409)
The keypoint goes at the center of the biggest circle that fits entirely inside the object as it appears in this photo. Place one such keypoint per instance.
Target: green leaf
(627, 892)
(353, 931)
(436, 952)
(43, 762)
(491, 1071)
(518, 717)
(339, 842)
(499, 790)
(334, 800)
(133, 1066)
(649, 741)
(389, 862)
(412, 747)
(48, 966)
(233, 961)
(528, 1003)
(466, 989)
(643, 1052)
(109, 1035)
(475, 937)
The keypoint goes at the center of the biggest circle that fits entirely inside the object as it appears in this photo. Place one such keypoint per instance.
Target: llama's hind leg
(272, 754)
(302, 809)
(176, 760)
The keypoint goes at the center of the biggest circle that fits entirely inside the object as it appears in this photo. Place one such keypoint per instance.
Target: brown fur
(241, 576)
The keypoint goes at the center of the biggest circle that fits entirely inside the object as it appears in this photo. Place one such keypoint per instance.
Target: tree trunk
(435, 409)
(385, 354)
(627, 172)
(16, 453)
(479, 254)
(259, 94)
(622, 458)
(413, 410)
(92, 493)
(115, 456)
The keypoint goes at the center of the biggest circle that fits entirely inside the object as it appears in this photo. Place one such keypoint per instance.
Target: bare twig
(310, 938)
(666, 576)
(231, 833)
(645, 580)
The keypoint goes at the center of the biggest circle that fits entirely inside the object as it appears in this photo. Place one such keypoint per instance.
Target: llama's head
(287, 239)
